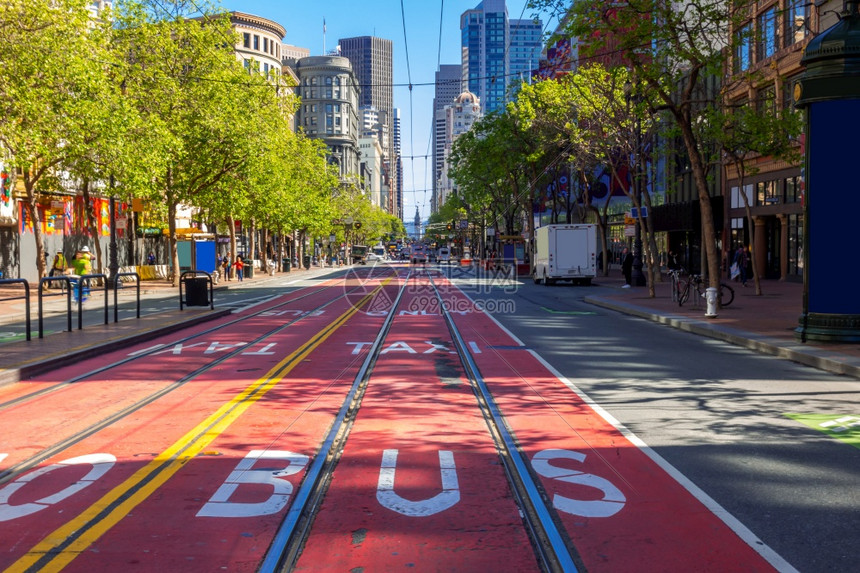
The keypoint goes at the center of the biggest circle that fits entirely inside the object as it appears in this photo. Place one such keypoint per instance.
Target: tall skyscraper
(398, 167)
(524, 52)
(488, 39)
(373, 63)
(448, 87)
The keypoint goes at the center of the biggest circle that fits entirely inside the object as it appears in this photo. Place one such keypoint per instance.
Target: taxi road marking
(60, 547)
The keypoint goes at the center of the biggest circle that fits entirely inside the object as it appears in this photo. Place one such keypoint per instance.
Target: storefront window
(795, 245)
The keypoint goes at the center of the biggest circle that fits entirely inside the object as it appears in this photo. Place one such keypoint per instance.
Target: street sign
(630, 231)
(634, 212)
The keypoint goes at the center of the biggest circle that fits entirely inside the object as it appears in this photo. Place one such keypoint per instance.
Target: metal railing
(26, 298)
(80, 287)
(64, 279)
(116, 286)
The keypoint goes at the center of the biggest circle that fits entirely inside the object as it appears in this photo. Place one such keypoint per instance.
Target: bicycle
(725, 294)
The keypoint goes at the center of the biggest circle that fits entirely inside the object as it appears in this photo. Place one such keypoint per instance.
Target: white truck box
(565, 252)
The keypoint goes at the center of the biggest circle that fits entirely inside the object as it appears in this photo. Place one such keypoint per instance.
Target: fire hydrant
(711, 300)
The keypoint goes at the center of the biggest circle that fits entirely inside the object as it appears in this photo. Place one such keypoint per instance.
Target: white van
(443, 255)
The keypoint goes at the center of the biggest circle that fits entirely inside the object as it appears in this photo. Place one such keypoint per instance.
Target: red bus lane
(420, 484)
(174, 486)
(78, 406)
(620, 508)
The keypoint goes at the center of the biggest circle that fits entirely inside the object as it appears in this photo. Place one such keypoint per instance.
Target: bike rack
(68, 281)
(26, 297)
(116, 286)
(80, 288)
(183, 277)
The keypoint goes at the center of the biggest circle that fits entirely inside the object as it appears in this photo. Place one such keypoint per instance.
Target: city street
(429, 417)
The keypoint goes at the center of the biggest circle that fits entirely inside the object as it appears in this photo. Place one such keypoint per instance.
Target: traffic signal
(450, 226)
(357, 225)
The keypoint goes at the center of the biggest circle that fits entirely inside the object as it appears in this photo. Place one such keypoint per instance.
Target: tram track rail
(550, 543)
(151, 351)
(15, 470)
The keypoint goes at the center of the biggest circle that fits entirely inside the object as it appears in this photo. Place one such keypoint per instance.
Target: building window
(328, 80)
(313, 108)
(768, 33)
(314, 81)
(246, 40)
(795, 245)
(767, 193)
(797, 14)
(792, 190)
(256, 42)
(743, 48)
(766, 101)
(266, 45)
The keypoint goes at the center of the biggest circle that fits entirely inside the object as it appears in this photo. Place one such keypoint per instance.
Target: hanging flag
(67, 216)
(323, 25)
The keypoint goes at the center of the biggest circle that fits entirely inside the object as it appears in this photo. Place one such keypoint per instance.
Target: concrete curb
(819, 358)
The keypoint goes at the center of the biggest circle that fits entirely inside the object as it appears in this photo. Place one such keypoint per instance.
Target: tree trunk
(231, 227)
(708, 236)
(252, 245)
(171, 226)
(33, 213)
(91, 225)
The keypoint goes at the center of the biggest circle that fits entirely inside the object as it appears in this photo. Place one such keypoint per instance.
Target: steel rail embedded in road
(60, 547)
(17, 469)
(149, 352)
(550, 544)
(287, 542)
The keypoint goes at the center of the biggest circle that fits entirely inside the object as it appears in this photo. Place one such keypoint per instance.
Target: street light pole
(113, 263)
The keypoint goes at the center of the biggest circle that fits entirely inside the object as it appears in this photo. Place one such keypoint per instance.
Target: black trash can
(249, 269)
(197, 291)
(306, 261)
(285, 264)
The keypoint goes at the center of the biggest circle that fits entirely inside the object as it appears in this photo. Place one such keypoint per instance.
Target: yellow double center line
(61, 546)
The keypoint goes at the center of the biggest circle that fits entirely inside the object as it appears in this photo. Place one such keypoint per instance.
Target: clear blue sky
(303, 21)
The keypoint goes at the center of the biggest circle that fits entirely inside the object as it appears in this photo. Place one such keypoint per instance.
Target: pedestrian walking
(627, 268)
(225, 267)
(741, 260)
(239, 265)
(59, 265)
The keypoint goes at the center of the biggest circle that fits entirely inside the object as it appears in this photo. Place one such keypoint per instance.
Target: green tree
(52, 81)
(672, 52)
(744, 133)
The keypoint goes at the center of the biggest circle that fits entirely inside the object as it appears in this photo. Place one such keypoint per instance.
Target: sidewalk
(763, 323)
(22, 359)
